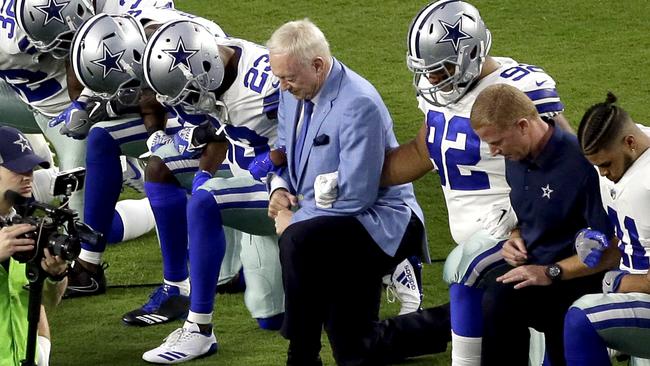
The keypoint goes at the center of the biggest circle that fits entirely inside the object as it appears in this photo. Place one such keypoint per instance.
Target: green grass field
(588, 46)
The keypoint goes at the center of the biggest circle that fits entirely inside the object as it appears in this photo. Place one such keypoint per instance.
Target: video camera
(57, 228)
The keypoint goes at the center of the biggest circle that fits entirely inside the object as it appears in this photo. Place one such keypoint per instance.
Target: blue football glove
(262, 165)
(75, 119)
(190, 141)
(199, 178)
(590, 245)
(612, 281)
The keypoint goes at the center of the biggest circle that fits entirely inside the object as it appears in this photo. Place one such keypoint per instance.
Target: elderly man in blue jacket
(340, 232)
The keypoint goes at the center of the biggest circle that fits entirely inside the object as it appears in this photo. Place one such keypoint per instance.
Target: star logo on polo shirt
(546, 192)
(180, 55)
(454, 33)
(23, 143)
(52, 11)
(109, 61)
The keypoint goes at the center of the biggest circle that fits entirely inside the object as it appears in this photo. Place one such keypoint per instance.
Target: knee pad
(469, 261)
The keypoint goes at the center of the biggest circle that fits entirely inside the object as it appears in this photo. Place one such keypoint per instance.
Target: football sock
(183, 286)
(103, 184)
(582, 344)
(207, 248)
(132, 219)
(271, 323)
(466, 324)
(168, 203)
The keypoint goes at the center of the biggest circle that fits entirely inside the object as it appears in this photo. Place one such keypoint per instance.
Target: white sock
(91, 257)
(199, 318)
(137, 217)
(465, 351)
(44, 347)
(183, 286)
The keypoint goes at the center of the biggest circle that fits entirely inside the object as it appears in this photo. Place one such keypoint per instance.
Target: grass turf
(588, 46)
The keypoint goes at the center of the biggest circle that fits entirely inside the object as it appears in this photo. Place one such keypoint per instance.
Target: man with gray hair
(336, 224)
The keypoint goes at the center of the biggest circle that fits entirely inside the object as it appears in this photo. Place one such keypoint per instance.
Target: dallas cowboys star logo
(109, 61)
(546, 191)
(180, 55)
(23, 143)
(454, 33)
(52, 11)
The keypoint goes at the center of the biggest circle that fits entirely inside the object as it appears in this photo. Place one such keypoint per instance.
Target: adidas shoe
(132, 173)
(165, 304)
(183, 344)
(85, 282)
(405, 285)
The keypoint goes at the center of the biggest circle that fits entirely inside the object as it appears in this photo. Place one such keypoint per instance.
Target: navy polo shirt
(555, 195)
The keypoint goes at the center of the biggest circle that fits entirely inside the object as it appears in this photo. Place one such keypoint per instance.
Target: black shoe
(84, 282)
(165, 304)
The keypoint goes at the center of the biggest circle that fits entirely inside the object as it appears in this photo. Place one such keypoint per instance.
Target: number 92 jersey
(473, 180)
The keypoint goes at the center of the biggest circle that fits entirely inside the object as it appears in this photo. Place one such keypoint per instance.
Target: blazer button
(300, 197)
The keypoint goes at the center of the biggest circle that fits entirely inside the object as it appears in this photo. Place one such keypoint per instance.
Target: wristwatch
(554, 272)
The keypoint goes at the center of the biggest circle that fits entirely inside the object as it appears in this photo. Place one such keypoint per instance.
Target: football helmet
(183, 66)
(107, 56)
(447, 38)
(50, 24)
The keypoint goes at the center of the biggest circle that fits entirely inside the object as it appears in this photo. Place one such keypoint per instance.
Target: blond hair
(301, 39)
(501, 105)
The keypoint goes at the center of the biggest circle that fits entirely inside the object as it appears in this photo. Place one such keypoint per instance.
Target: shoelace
(391, 294)
(175, 336)
(155, 299)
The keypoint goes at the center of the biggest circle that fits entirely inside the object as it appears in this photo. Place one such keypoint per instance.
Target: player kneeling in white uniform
(619, 318)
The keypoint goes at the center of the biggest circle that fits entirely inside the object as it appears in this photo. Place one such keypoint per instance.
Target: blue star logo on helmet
(109, 61)
(52, 11)
(454, 33)
(180, 55)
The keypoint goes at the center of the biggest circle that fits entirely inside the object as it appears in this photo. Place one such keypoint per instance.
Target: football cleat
(165, 304)
(405, 285)
(183, 344)
(132, 173)
(85, 282)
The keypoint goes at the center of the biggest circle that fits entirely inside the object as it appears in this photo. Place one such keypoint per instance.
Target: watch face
(554, 271)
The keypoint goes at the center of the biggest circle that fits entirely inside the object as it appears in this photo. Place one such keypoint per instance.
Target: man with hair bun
(618, 317)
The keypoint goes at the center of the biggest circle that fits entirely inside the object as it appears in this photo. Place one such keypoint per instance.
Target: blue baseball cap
(16, 153)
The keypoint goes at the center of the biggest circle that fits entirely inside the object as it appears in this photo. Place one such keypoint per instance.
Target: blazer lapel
(327, 96)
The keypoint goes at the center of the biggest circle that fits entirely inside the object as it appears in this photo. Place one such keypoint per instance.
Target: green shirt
(14, 300)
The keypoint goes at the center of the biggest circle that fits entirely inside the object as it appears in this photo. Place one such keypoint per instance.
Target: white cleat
(183, 344)
(403, 286)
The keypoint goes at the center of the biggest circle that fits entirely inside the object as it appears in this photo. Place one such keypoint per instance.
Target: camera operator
(17, 162)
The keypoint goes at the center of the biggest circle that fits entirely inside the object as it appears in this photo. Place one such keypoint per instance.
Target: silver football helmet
(50, 24)
(183, 66)
(447, 38)
(107, 56)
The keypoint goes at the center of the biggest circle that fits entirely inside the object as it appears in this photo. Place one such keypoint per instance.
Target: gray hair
(301, 39)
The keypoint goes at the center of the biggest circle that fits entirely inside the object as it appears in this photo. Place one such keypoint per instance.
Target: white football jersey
(157, 15)
(37, 78)
(133, 7)
(473, 181)
(251, 104)
(626, 203)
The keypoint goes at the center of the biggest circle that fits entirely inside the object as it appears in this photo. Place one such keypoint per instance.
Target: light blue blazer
(349, 133)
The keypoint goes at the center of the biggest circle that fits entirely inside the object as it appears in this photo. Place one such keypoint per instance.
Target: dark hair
(601, 124)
